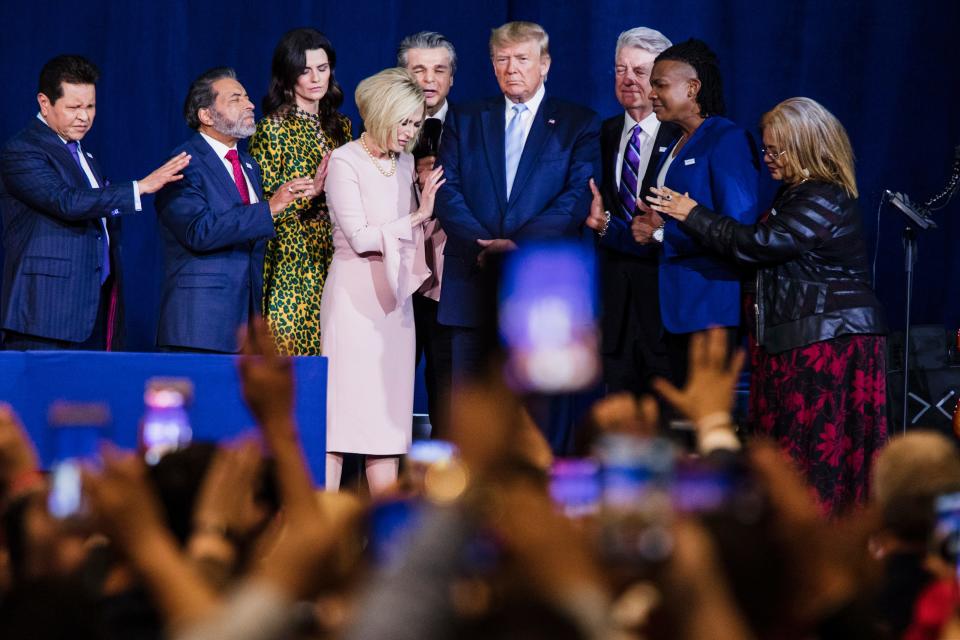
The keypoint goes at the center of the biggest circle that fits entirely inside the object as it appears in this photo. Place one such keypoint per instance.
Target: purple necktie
(74, 147)
(630, 177)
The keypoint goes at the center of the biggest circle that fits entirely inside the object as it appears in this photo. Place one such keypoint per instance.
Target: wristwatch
(658, 234)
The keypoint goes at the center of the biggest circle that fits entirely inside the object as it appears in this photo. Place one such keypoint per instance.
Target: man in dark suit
(517, 168)
(433, 61)
(631, 145)
(61, 226)
(215, 223)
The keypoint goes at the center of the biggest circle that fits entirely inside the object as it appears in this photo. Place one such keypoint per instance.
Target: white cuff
(136, 196)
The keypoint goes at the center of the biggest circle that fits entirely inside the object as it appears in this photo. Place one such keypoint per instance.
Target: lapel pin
(663, 149)
(89, 155)
(248, 165)
(689, 161)
(551, 121)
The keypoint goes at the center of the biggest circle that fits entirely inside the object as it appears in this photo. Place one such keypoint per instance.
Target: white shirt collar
(441, 114)
(650, 124)
(532, 104)
(218, 147)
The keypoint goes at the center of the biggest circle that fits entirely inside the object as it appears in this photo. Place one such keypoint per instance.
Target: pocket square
(689, 161)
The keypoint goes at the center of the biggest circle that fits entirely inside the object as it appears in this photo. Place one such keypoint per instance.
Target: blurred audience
(234, 541)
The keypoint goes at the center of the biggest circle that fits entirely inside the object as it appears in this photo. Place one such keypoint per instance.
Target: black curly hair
(704, 61)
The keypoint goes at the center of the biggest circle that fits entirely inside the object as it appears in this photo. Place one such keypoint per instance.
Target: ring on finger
(668, 197)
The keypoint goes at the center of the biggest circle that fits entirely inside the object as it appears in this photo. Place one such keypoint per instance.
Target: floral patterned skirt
(826, 404)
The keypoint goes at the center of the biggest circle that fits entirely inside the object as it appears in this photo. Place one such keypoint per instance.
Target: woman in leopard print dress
(301, 128)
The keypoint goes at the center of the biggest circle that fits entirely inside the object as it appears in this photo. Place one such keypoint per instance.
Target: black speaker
(933, 397)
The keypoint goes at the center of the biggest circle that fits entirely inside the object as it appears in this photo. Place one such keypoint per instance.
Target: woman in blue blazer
(716, 162)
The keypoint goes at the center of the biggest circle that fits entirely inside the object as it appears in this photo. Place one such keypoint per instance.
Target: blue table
(32, 381)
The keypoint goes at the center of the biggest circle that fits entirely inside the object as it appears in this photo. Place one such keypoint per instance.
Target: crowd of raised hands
(255, 552)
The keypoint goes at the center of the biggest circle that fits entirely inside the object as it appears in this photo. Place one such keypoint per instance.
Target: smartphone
(575, 487)
(946, 534)
(548, 317)
(76, 429)
(636, 510)
(165, 426)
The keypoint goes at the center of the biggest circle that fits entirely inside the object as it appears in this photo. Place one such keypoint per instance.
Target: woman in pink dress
(366, 311)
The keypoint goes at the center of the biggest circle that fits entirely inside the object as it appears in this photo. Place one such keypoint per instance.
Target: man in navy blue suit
(61, 227)
(517, 168)
(215, 223)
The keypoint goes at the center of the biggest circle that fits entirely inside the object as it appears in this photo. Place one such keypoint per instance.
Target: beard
(233, 128)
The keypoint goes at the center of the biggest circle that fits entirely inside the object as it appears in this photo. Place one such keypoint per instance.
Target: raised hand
(598, 218)
(17, 455)
(266, 378)
(712, 378)
(320, 177)
(431, 184)
(292, 190)
(168, 172)
(674, 204)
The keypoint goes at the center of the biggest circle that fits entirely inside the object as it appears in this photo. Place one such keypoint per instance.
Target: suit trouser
(14, 341)
(434, 343)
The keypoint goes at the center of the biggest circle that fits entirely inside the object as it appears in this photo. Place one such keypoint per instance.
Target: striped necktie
(74, 148)
(630, 178)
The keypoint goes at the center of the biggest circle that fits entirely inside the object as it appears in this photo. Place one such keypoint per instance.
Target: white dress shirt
(650, 126)
(441, 113)
(527, 116)
(221, 150)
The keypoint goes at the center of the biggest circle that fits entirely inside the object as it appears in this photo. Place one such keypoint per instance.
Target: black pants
(14, 341)
(435, 345)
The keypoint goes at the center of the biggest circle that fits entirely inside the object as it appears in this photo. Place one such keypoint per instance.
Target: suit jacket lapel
(493, 124)
(540, 131)
(252, 169)
(217, 170)
(666, 138)
(610, 144)
(58, 148)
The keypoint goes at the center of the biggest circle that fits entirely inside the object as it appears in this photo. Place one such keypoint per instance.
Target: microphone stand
(916, 217)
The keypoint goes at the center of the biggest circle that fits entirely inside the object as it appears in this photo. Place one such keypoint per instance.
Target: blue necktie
(630, 177)
(513, 146)
(74, 147)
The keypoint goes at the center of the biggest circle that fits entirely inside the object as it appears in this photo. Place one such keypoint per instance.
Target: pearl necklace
(376, 162)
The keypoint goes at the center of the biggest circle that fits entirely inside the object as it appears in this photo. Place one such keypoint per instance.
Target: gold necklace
(376, 163)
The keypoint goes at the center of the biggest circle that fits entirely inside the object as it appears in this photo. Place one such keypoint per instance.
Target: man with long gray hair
(215, 222)
(631, 144)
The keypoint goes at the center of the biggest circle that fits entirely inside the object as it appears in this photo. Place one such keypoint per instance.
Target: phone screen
(946, 534)
(166, 424)
(547, 315)
(575, 487)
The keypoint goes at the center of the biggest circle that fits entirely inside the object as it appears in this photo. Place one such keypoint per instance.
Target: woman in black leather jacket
(819, 376)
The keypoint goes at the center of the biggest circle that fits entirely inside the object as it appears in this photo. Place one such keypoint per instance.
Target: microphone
(920, 216)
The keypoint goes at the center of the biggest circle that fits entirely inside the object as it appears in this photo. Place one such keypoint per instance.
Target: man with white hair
(631, 144)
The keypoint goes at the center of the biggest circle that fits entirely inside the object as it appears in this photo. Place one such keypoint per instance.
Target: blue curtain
(886, 68)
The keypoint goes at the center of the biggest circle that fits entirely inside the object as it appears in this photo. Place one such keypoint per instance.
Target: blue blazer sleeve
(30, 176)
(455, 216)
(731, 183)
(201, 222)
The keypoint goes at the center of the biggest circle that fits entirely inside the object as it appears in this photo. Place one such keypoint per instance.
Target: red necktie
(238, 178)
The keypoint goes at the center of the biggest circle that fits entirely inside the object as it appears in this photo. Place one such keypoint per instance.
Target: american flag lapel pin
(248, 166)
(551, 122)
(89, 155)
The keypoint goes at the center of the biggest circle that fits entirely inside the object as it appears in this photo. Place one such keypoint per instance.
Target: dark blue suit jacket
(719, 167)
(550, 197)
(53, 237)
(213, 248)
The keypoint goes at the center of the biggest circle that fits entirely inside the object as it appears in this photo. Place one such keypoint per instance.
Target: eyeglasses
(773, 156)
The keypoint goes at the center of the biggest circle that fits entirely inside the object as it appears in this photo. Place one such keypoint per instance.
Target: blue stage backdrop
(886, 68)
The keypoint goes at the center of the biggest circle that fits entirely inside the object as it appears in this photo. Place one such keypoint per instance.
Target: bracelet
(606, 224)
(714, 420)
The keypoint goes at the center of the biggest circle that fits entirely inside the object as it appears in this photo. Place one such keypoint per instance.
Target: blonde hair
(384, 100)
(816, 144)
(519, 31)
